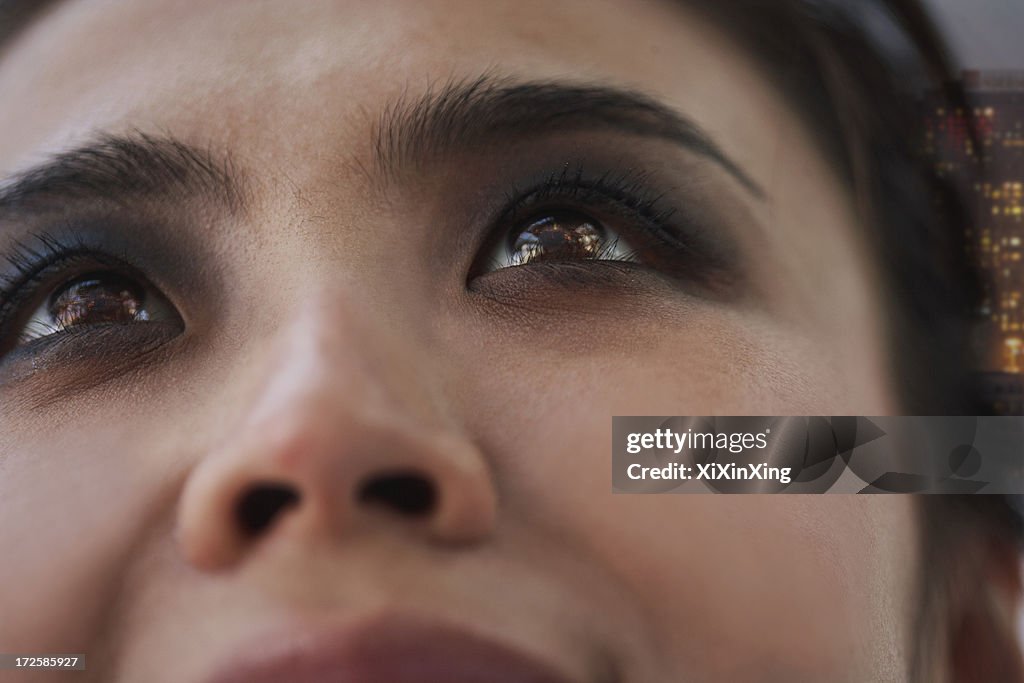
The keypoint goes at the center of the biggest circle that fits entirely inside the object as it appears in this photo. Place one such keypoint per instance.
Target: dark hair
(858, 71)
(15, 14)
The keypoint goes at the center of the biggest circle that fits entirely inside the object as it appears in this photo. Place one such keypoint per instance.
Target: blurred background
(986, 34)
(987, 37)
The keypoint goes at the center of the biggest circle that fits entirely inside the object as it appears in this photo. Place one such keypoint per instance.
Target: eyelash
(45, 258)
(627, 189)
(45, 261)
(654, 228)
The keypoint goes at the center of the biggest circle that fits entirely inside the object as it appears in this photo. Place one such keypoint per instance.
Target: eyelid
(117, 347)
(627, 188)
(38, 270)
(30, 261)
(568, 184)
(684, 247)
(21, 293)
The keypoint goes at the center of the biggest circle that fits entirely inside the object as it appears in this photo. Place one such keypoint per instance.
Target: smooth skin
(333, 329)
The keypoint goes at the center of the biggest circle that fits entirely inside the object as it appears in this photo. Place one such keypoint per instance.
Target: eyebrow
(462, 113)
(409, 132)
(116, 168)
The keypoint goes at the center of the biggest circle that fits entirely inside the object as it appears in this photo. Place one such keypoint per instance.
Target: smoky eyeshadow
(705, 210)
(82, 358)
(181, 251)
(674, 228)
(168, 251)
(165, 250)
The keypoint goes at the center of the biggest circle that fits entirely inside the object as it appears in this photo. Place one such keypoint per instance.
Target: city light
(993, 171)
(989, 165)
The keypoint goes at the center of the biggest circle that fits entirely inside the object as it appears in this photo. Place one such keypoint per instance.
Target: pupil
(94, 299)
(558, 237)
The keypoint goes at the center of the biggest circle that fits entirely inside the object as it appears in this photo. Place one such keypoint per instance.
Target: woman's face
(310, 350)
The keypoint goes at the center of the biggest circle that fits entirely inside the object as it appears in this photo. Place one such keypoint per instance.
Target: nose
(341, 431)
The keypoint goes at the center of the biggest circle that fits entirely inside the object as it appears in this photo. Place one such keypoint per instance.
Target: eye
(610, 227)
(559, 236)
(96, 298)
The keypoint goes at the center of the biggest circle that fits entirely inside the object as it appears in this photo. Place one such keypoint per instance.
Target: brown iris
(558, 237)
(95, 299)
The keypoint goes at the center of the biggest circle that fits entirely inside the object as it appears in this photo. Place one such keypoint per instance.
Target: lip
(384, 649)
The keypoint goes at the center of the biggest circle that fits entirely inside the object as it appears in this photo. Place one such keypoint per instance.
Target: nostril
(407, 493)
(262, 504)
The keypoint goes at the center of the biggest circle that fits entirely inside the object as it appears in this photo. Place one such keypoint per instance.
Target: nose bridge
(335, 355)
(341, 424)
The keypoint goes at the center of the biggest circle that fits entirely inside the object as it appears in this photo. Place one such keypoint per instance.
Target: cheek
(799, 583)
(819, 584)
(703, 359)
(73, 506)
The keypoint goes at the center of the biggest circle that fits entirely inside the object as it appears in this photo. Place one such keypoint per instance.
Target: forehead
(236, 70)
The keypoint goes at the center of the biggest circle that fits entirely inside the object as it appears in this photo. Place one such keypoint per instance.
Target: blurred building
(991, 169)
(1003, 392)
